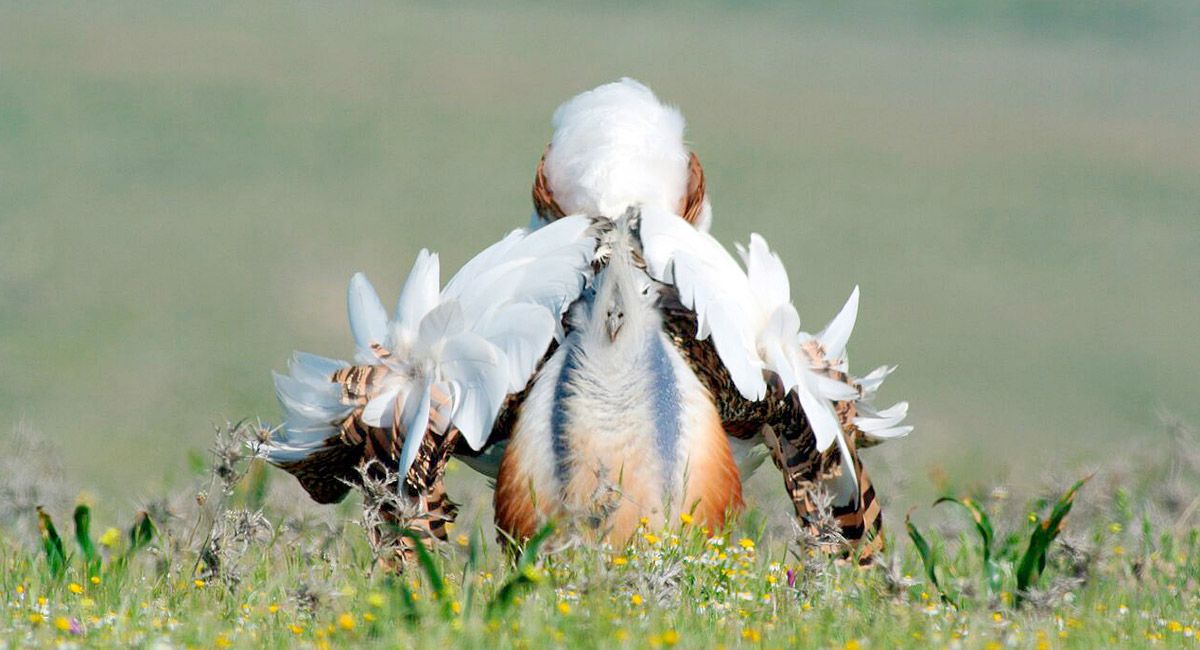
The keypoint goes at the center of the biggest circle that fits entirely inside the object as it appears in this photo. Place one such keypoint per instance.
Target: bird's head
(617, 146)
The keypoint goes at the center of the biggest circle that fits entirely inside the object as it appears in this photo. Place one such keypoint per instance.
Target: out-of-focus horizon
(184, 192)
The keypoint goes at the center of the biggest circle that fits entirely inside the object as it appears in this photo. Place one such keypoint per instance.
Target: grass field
(240, 562)
(185, 189)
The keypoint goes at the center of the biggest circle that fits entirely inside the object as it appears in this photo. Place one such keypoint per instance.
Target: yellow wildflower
(368, 617)
(75, 588)
(223, 641)
(199, 583)
(456, 607)
(376, 599)
(95, 580)
(670, 637)
(36, 618)
(636, 599)
(533, 574)
(852, 644)
(273, 608)
(564, 607)
(685, 518)
(110, 538)
(651, 538)
(296, 629)
(746, 542)
(752, 635)
(346, 621)
(63, 624)
(463, 540)
(620, 560)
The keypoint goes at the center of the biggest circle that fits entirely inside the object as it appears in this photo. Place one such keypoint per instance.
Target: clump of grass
(92, 565)
(1003, 564)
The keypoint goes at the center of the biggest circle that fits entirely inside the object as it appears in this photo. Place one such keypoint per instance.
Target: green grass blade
(141, 533)
(523, 577)
(1034, 561)
(987, 534)
(927, 558)
(52, 544)
(982, 524)
(397, 583)
(475, 552)
(83, 537)
(533, 546)
(437, 581)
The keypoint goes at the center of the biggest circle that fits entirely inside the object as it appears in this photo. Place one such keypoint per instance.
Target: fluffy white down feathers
(617, 146)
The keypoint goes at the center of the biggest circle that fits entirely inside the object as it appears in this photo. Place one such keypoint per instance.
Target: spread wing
(741, 335)
(440, 370)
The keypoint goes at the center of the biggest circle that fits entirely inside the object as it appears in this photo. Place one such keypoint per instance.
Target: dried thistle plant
(387, 513)
(309, 596)
(816, 537)
(227, 533)
(661, 583)
(583, 526)
(895, 579)
(234, 534)
(1060, 590)
(821, 530)
(31, 475)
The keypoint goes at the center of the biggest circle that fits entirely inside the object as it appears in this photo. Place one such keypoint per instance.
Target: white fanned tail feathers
(476, 341)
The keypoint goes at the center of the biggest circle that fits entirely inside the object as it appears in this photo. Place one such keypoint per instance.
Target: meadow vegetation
(185, 189)
(240, 559)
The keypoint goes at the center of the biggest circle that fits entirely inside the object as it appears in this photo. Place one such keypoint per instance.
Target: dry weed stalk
(228, 533)
(387, 513)
(31, 475)
(816, 536)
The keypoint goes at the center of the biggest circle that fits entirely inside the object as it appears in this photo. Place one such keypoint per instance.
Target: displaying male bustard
(611, 342)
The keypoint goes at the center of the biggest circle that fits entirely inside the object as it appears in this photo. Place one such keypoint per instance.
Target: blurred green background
(186, 189)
